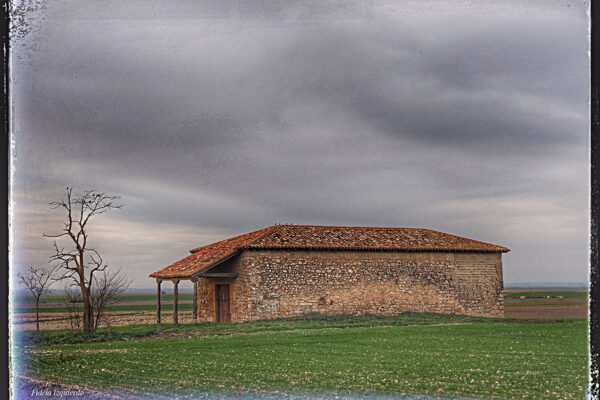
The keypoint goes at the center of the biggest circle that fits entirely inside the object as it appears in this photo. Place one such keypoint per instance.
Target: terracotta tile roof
(324, 238)
(206, 256)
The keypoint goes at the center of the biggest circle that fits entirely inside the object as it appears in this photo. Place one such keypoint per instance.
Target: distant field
(514, 294)
(56, 299)
(141, 308)
(546, 304)
(118, 307)
(130, 298)
(437, 355)
(127, 302)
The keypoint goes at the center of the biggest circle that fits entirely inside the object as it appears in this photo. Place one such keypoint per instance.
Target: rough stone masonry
(288, 272)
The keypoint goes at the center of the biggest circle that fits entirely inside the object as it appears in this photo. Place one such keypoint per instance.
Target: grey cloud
(383, 114)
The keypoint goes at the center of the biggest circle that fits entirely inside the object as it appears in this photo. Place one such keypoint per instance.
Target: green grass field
(309, 321)
(412, 353)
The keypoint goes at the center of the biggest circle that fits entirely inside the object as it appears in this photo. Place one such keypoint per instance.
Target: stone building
(290, 270)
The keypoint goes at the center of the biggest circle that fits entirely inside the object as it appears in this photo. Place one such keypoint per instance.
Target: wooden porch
(221, 293)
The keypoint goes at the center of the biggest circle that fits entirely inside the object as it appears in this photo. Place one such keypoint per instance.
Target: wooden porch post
(195, 307)
(175, 300)
(158, 300)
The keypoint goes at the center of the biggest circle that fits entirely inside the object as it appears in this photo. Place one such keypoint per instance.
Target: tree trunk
(91, 313)
(88, 312)
(98, 317)
(37, 314)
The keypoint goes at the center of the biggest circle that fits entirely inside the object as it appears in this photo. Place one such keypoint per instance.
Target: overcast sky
(215, 119)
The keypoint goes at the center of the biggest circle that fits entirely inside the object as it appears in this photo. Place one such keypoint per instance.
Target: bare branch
(38, 280)
(73, 302)
(106, 291)
(74, 265)
(55, 236)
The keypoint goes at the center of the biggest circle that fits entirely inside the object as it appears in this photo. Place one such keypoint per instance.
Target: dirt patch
(547, 308)
(123, 303)
(21, 322)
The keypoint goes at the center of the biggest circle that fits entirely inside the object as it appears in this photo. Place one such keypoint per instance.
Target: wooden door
(222, 296)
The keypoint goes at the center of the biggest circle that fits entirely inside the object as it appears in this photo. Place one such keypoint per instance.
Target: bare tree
(106, 291)
(73, 305)
(79, 210)
(38, 281)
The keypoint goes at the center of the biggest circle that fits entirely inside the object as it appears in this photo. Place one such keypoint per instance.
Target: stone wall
(277, 283)
(479, 284)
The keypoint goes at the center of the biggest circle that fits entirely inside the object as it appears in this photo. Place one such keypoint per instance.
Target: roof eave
(215, 264)
(353, 248)
(169, 277)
